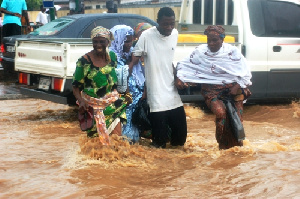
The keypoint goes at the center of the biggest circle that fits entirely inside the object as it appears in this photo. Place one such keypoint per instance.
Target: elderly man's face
(214, 42)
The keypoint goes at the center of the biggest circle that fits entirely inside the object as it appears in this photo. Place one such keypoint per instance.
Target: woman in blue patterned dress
(122, 46)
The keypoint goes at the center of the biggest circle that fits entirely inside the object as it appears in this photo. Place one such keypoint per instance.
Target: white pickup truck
(266, 31)
(48, 66)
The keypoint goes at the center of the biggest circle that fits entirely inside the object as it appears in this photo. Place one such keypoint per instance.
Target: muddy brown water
(43, 154)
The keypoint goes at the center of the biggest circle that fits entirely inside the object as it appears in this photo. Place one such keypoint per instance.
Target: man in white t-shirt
(42, 17)
(157, 46)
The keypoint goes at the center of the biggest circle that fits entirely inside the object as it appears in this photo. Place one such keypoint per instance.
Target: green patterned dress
(99, 83)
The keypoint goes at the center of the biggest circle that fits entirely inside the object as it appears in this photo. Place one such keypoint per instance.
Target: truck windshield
(273, 18)
(52, 27)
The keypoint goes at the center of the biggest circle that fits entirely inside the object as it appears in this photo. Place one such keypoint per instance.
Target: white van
(266, 31)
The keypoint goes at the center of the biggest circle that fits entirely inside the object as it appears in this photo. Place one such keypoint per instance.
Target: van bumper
(43, 95)
(192, 98)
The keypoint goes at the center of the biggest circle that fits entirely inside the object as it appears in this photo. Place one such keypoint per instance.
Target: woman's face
(100, 44)
(214, 42)
(128, 43)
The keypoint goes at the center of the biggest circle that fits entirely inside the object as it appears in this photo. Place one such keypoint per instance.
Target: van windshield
(52, 27)
(274, 18)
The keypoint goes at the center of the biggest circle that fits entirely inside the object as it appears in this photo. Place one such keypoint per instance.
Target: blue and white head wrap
(120, 33)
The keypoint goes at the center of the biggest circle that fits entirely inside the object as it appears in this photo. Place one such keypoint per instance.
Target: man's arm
(25, 14)
(134, 61)
(178, 83)
(144, 96)
(3, 10)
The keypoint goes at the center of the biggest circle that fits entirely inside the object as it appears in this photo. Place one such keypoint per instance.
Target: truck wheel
(9, 73)
(71, 100)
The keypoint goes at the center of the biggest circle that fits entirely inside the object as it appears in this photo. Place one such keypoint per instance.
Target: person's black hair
(165, 11)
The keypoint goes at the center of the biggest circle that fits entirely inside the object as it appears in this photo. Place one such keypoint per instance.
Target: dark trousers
(10, 29)
(175, 120)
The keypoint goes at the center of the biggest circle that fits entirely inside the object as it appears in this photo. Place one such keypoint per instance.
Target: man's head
(42, 8)
(215, 37)
(166, 21)
(110, 6)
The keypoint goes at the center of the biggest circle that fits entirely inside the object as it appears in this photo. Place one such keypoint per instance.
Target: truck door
(255, 46)
(277, 22)
(283, 30)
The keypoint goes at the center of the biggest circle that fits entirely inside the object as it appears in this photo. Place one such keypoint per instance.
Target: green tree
(34, 4)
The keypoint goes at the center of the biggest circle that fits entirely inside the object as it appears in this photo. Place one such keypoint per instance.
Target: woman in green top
(94, 85)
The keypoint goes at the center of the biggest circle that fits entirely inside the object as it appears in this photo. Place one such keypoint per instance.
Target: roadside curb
(9, 91)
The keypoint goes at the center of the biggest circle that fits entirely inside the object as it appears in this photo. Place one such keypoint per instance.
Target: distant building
(150, 1)
(137, 3)
(101, 4)
(97, 4)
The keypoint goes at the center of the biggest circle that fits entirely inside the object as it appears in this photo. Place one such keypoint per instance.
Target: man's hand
(39, 24)
(134, 61)
(180, 84)
(17, 15)
(144, 96)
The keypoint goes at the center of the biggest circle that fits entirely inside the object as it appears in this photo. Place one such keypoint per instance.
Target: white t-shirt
(158, 51)
(42, 18)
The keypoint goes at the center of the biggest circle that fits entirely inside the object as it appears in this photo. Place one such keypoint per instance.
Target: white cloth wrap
(226, 66)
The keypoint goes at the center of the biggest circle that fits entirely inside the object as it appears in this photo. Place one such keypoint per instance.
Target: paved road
(8, 87)
(10, 90)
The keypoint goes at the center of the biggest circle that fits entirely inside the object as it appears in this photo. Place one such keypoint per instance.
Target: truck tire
(9, 73)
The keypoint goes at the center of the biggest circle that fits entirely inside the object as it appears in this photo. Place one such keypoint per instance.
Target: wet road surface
(9, 90)
(43, 154)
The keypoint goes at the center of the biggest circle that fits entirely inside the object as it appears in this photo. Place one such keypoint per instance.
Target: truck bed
(50, 57)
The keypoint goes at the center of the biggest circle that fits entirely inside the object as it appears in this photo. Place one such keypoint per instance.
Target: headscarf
(215, 30)
(100, 31)
(120, 33)
(140, 27)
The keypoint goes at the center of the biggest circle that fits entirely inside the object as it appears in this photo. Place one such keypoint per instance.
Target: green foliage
(34, 4)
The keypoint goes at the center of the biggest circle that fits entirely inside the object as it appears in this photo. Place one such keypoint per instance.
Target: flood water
(44, 154)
